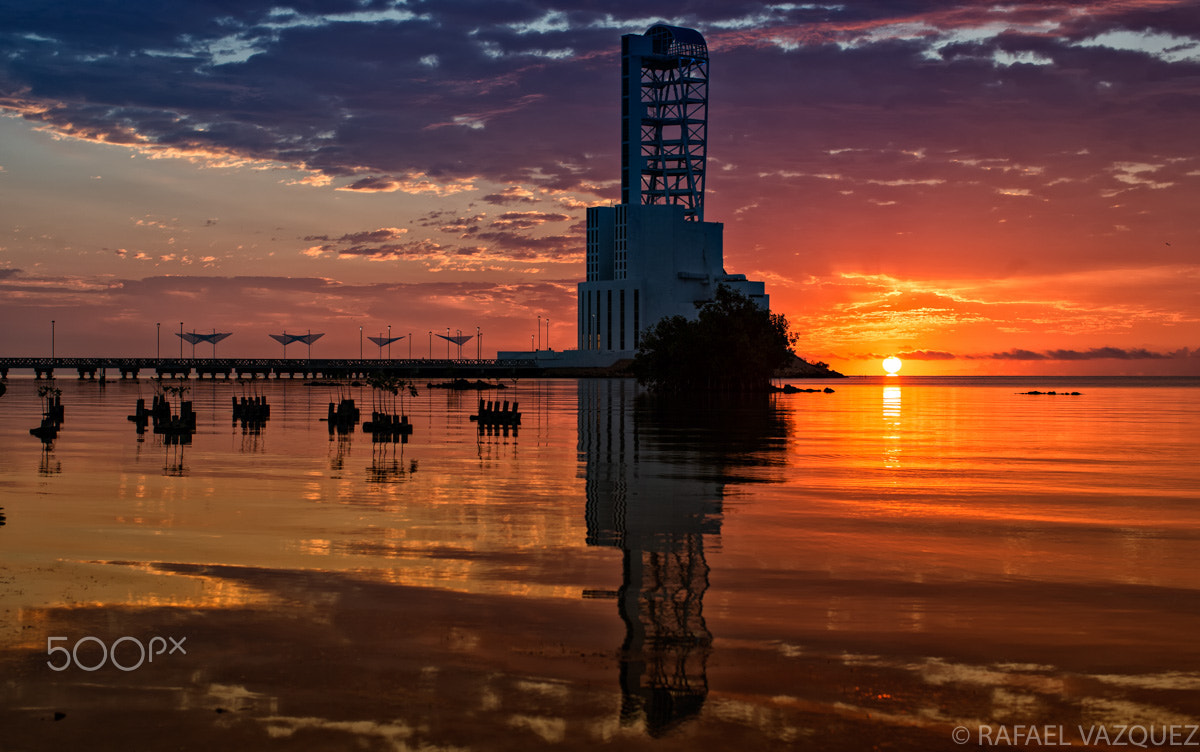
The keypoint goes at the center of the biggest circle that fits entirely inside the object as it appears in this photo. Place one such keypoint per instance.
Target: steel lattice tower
(664, 110)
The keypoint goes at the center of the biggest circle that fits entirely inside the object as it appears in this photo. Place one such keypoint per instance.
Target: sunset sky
(976, 187)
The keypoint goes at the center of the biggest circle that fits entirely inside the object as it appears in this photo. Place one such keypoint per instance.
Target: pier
(92, 368)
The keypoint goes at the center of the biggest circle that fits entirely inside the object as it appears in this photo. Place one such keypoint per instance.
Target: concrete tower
(653, 255)
(664, 118)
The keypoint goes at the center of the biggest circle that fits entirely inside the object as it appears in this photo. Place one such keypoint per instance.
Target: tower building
(653, 255)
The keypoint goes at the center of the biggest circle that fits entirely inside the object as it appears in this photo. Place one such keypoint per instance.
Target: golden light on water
(892, 365)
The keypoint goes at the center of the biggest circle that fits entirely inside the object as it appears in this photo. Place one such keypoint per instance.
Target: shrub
(733, 346)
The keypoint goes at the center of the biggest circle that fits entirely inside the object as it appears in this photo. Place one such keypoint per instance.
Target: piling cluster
(176, 428)
(1053, 394)
(493, 414)
(253, 412)
(388, 427)
(343, 417)
(251, 408)
(385, 426)
(52, 414)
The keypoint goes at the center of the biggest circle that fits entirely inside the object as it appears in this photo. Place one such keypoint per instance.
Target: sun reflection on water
(891, 425)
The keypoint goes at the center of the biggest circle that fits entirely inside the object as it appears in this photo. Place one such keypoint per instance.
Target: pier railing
(91, 367)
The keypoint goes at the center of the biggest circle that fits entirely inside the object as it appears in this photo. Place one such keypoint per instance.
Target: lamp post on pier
(360, 343)
(51, 338)
(158, 340)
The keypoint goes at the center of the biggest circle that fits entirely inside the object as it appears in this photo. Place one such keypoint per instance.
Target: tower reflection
(639, 503)
(657, 474)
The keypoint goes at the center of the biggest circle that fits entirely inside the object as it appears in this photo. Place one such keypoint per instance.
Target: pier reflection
(656, 476)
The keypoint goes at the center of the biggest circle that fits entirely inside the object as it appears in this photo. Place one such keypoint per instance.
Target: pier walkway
(315, 368)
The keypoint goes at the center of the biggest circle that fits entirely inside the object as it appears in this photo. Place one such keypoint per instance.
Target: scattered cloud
(1016, 354)
(507, 240)
(1098, 353)
(526, 220)
(926, 355)
(1095, 353)
(372, 185)
(511, 195)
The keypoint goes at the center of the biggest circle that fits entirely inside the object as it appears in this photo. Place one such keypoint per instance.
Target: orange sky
(979, 189)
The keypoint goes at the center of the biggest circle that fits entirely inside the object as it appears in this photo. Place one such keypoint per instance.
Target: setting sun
(892, 365)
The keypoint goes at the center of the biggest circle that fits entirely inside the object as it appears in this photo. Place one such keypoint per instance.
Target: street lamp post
(181, 340)
(389, 341)
(51, 338)
(360, 343)
(431, 344)
(158, 340)
(539, 333)
(447, 343)
(410, 345)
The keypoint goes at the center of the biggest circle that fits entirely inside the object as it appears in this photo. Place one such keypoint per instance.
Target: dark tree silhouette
(734, 346)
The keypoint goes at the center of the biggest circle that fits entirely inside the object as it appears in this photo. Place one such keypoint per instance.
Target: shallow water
(871, 567)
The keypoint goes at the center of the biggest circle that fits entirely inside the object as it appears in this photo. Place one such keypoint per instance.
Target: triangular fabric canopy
(287, 339)
(458, 339)
(382, 341)
(193, 337)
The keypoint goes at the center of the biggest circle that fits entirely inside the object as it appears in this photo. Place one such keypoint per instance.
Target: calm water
(868, 568)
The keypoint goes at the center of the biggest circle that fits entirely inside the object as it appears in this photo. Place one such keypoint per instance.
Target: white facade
(644, 263)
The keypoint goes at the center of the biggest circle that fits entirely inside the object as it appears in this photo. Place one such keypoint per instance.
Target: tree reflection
(48, 463)
(387, 462)
(173, 454)
(656, 477)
